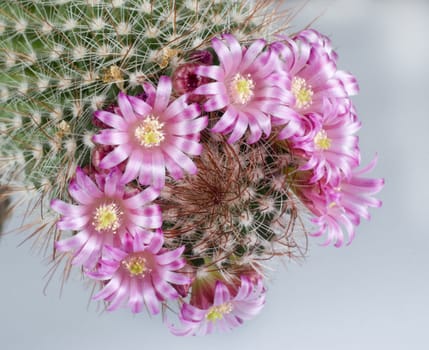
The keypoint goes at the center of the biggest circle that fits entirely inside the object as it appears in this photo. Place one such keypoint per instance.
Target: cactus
(62, 60)
(237, 210)
(180, 149)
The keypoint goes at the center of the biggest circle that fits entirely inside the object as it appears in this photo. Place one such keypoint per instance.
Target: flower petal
(111, 119)
(126, 108)
(140, 107)
(150, 298)
(163, 93)
(115, 157)
(147, 195)
(111, 137)
(133, 167)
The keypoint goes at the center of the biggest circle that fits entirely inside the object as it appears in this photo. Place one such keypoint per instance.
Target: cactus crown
(62, 60)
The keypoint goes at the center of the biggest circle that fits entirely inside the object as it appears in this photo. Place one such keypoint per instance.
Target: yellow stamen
(150, 132)
(322, 141)
(242, 88)
(302, 92)
(136, 265)
(216, 312)
(107, 217)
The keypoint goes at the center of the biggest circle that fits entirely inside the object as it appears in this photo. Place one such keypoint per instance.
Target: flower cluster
(198, 178)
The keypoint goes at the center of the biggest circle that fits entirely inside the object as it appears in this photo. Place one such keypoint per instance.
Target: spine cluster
(62, 60)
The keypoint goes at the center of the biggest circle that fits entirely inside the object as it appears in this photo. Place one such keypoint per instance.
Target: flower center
(150, 132)
(216, 312)
(107, 217)
(302, 92)
(136, 266)
(242, 88)
(322, 141)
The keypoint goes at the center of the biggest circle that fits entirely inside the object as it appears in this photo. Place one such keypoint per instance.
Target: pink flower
(226, 311)
(338, 209)
(106, 210)
(249, 88)
(152, 135)
(330, 144)
(311, 63)
(138, 274)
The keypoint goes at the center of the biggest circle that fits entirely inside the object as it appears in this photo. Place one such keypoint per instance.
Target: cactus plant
(62, 60)
(181, 144)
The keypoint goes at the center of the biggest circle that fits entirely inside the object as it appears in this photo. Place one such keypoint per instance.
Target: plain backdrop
(370, 295)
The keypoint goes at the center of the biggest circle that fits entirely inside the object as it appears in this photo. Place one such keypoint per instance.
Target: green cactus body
(61, 60)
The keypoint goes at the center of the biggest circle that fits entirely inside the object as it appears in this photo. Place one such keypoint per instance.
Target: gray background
(371, 295)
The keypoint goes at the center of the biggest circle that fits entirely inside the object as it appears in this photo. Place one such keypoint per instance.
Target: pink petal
(213, 72)
(188, 127)
(221, 294)
(170, 256)
(79, 195)
(163, 93)
(67, 209)
(187, 146)
(177, 108)
(156, 242)
(244, 290)
(110, 288)
(164, 289)
(174, 170)
(120, 295)
(111, 119)
(126, 108)
(85, 182)
(140, 107)
(150, 298)
(223, 54)
(252, 52)
(136, 296)
(236, 51)
(158, 170)
(192, 313)
(176, 278)
(216, 102)
(145, 173)
(150, 92)
(115, 157)
(111, 137)
(182, 160)
(214, 88)
(86, 254)
(74, 223)
(111, 184)
(147, 195)
(133, 166)
(239, 128)
(227, 120)
(114, 253)
(151, 217)
(72, 243)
